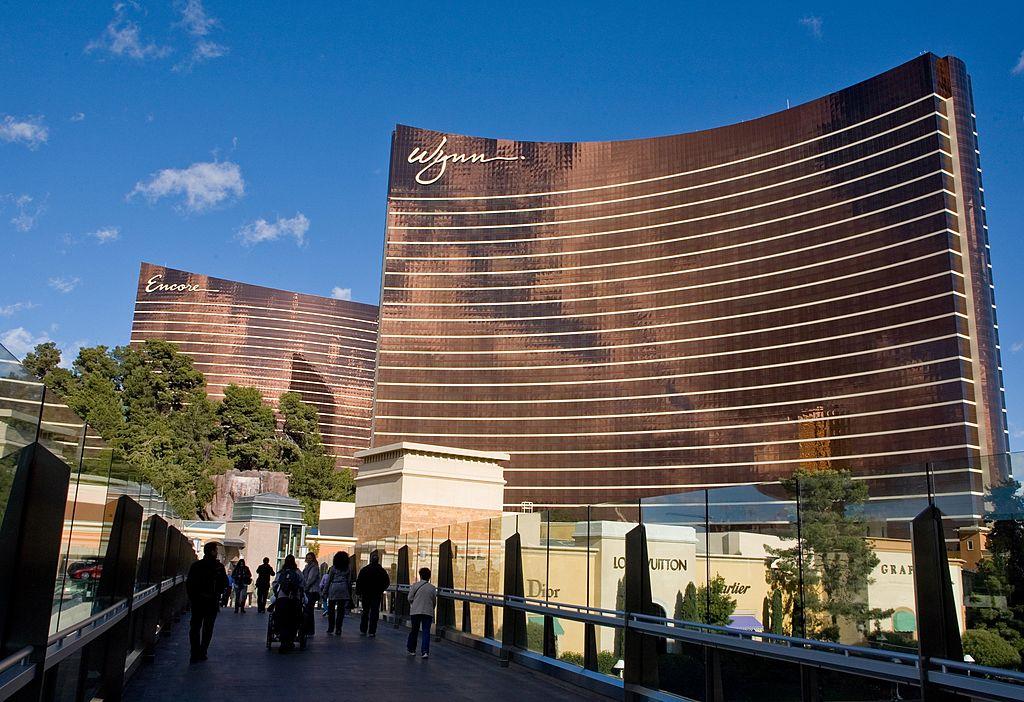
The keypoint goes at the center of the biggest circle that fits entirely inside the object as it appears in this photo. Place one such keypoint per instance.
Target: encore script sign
(156, 284)
(436, 161)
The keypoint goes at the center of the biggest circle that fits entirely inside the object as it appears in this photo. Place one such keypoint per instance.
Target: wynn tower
(632, 318)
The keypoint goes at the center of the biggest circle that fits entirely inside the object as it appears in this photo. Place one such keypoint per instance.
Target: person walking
(204, 584)
(225, 596)
(311, 586)
(371, 583)
(288, 596)
(242, 577)
(337, 592)
(422, 602)
(263, 575)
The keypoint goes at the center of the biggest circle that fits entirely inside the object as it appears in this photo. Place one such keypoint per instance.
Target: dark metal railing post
(488, 622)
(401, 608)
(640, 652)
(30, 541)
(151, 572)
(550, 640)
(467, 618)
(445, 580)
(513, 622)
(590, 646)
(938, 630)
(117, 582)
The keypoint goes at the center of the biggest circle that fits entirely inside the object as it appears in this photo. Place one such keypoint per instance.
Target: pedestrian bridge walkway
(348, 667)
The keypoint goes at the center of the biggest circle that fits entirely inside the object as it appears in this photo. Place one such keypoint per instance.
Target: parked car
(85, 570)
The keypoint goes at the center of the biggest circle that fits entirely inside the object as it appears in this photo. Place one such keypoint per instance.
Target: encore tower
(270, 339)
(640, 317)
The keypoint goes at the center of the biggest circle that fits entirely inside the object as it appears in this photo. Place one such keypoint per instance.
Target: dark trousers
(200, 629)
(418, 621)
(261, 598)
(287, 618)
(241, 595)
(308, 613)
(335, 615)
(371, 613)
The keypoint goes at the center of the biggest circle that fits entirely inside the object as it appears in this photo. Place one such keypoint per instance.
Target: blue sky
(250, 140)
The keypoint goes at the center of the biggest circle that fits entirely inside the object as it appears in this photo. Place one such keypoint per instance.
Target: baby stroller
(286, 617)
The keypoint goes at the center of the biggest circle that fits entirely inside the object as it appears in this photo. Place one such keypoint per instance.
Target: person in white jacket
(422, 602)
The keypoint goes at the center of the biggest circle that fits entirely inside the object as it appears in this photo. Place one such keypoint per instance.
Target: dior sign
(435, 162)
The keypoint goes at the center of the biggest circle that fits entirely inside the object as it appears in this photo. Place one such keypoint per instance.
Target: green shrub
(572, 657)
(606, 660)
(991, 649)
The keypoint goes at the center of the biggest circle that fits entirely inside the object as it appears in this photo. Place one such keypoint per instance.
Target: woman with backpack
(242, 577)
(337, 592)
(289, 592)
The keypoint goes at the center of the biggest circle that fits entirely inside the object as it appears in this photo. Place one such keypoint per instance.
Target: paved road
(345, 668)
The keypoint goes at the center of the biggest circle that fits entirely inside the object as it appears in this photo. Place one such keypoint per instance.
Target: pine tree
(249, 429)
(620, 604)
(778, 614)
(692, 610)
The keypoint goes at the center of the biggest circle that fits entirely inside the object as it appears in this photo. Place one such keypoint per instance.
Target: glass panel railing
(824, 555)
(991, 558)
(21, 398)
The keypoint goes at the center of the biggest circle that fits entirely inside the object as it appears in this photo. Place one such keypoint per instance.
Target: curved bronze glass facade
(639, 317)
(271, 339)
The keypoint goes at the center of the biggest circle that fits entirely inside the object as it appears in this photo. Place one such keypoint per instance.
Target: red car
(85, 571)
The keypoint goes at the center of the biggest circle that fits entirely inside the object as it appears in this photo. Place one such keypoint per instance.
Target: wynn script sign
(157, 284)
(436, 161)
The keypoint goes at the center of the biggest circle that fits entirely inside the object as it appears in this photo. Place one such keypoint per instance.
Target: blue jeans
(424, 621)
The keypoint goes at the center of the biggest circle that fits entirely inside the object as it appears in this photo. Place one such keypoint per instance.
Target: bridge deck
(348, 667)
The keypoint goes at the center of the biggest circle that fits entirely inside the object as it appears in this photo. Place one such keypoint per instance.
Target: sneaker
(362, 633)
(411, 653)
(372, 635)
(425, 655)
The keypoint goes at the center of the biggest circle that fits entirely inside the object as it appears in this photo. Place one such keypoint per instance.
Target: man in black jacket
(205, 582)
(371, 583)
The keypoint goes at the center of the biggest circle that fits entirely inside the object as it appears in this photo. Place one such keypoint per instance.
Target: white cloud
(1019, 68)
(341, 293)
(29, 131)
(77, 117)
(106, 234)
(123, 38)
(195, 19)
(813, 25)
(1017, 346)
(202, 51)
(203, 184)
(14, 308)
(20, 341)
(199, 25)
(27, 214)
(261, 230)
(64, 285)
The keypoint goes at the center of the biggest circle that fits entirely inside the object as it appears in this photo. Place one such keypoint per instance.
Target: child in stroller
(285, 621)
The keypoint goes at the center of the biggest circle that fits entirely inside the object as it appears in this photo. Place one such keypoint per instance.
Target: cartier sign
(435, 162)
(157, 284)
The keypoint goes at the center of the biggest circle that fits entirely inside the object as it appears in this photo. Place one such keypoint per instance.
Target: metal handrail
(16, 658)
(76, 628)
(11, 679)
(969, 668)
(892, 666)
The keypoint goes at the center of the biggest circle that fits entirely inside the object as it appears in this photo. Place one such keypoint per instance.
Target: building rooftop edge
(410, 446)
